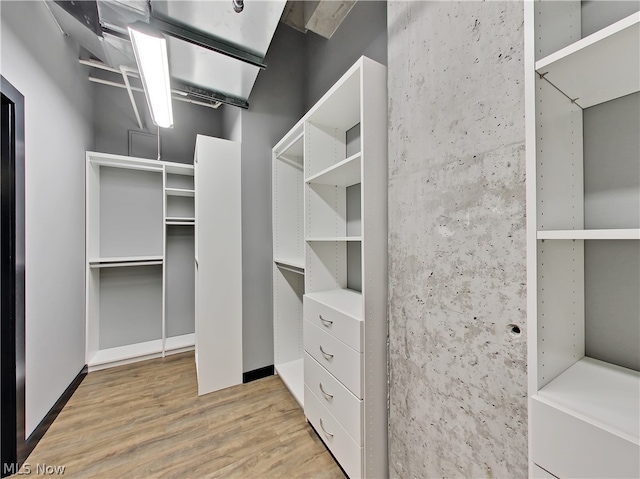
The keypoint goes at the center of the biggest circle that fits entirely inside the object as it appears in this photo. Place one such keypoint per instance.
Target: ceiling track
(206, 41)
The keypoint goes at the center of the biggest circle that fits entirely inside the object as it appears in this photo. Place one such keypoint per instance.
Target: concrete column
(457, 261)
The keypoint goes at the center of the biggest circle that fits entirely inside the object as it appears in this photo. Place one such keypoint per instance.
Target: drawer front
(338, 400)
(336, 357)
(343, 447)
(346, 328)
(568, 446)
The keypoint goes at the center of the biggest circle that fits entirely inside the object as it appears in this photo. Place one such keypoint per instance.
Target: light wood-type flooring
(146, 420)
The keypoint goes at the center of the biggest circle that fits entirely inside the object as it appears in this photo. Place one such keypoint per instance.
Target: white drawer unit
(339, 359)
(340, 443)
(330, 267)
(343, 319)
(339, 401)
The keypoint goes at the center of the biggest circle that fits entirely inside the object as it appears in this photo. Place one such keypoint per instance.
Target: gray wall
(276, 104)
(43, 66)
(114, 117)
(363, 32)
(458, 379)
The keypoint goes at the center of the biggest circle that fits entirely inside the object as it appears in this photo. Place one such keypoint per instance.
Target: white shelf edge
(122, 353)
(333, 168)
(588, 41)
(283, 152)
(180, 342)
(337, 299)
(336, 238)
(125, 261)
(553, 396)
(292, 375)
(289, 264)
(179, 192)
(170, 219)
(606, 234)
(174, 169)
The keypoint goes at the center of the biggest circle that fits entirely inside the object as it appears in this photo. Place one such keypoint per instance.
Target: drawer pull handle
(325, 431)
(326, 354)
(330, 396)
(325, 322)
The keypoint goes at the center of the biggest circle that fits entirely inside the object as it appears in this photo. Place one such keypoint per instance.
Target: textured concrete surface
(458, 381)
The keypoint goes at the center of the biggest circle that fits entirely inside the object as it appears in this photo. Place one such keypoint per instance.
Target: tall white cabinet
(583, 215)
(218, 262)
(160, 276)
(330, 267)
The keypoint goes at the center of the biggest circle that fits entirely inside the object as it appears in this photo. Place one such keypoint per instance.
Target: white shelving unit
(584, 411)
(330, 267)
(138, 274)
(288, 259)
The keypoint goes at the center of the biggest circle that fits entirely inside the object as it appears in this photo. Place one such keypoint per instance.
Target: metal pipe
(134, 73)
(130, 92)
(133, 88)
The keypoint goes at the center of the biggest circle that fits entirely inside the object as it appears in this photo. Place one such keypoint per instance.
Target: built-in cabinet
(163, 261)
(140, 284)
(330, 267)
(583, 192)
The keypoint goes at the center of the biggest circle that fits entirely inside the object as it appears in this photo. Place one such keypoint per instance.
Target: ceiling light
(150, 48)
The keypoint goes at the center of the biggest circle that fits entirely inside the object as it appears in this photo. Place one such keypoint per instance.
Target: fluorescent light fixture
(150, 48)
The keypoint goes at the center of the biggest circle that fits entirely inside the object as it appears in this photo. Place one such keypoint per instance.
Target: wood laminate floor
(146, 420)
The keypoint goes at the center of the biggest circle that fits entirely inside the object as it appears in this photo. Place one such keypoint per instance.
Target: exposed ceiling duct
(215, 54)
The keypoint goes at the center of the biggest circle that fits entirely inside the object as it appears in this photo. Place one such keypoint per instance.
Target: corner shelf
(180, 192)
(600, 67)
(345, 173)
(125, 261)
(606, 234)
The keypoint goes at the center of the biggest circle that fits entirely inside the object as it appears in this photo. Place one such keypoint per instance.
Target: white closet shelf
(608, 234)
(125, 261)
(291, 264)
(180, 342)
(335, 238)
(600, 393)
(175, 169)
(346, 301)
(293, 150)
(116, 161)
(345, 173)
(292, 375)
(123, 353)
(179, 192)
(175, 220)
(600, 67)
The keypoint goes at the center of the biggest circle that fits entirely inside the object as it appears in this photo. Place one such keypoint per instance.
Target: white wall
(43, 66)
